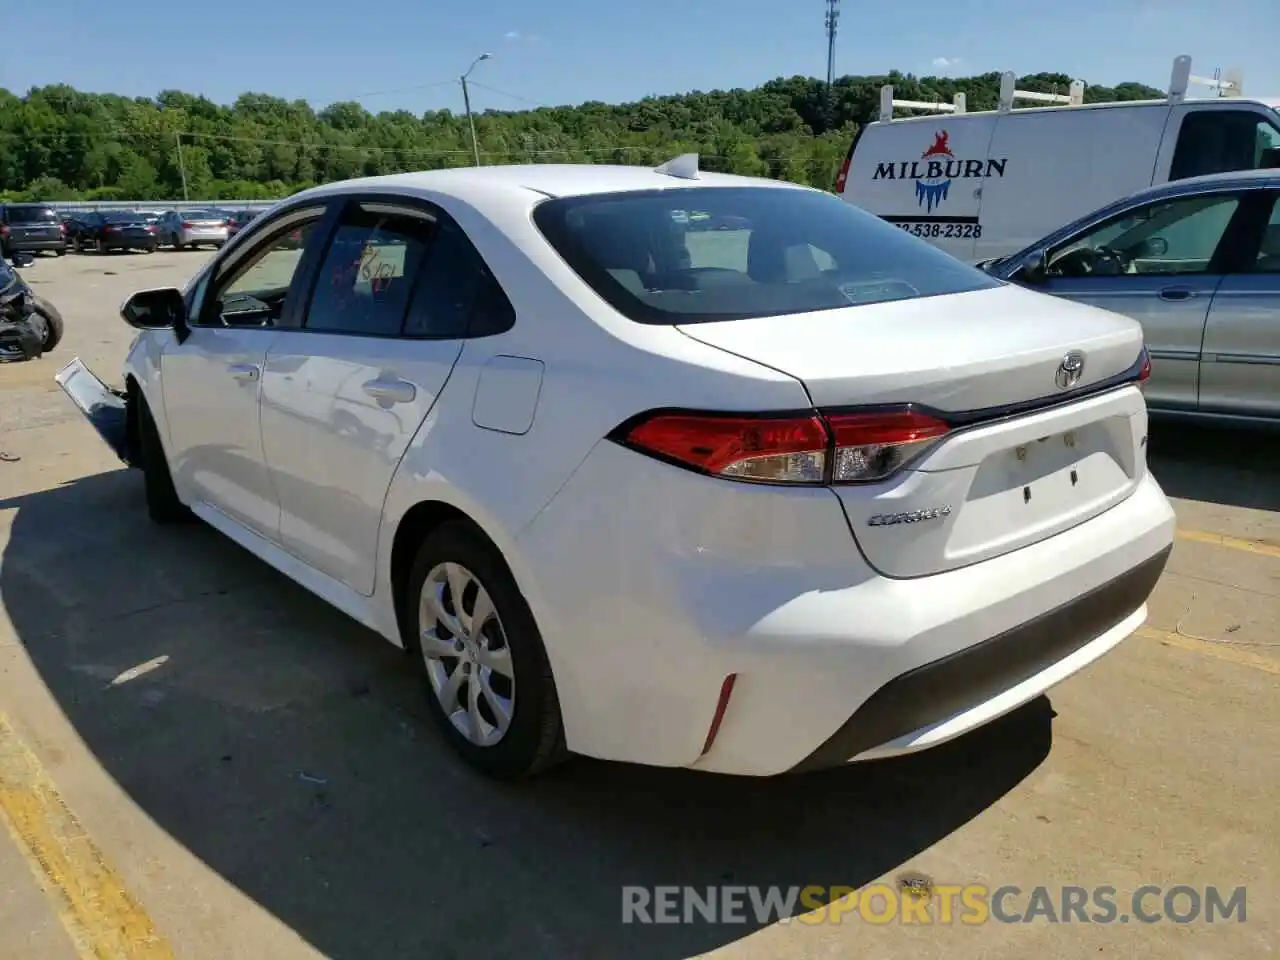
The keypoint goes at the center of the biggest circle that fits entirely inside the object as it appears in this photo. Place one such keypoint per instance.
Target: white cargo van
(987, 184)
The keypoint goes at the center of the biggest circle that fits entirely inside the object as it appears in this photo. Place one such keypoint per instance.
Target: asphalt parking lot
(200, 760)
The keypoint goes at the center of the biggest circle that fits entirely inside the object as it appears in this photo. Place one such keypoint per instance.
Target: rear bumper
(651, 585)
(35, 246)
(130, 242)
(201, 238)
(965, 689)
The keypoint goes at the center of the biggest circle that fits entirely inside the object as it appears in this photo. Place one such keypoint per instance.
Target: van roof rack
(1231, 85)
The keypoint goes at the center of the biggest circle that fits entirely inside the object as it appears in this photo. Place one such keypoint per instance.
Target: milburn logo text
(935, 170)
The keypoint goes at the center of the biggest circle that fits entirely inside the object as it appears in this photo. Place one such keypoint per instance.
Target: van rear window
(697, 254)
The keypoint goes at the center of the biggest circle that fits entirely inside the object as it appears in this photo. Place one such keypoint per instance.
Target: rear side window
(367, 277)
(723, 253)
(457, 296)
(32, 215)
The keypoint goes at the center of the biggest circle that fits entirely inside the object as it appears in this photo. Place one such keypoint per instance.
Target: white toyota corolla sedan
(657, 466)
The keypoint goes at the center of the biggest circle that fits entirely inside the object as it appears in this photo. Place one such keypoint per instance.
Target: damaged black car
(29, 325)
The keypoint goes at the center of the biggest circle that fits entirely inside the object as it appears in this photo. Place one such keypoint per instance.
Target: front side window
(1220, 141)
(1177, 236)
(722, 253)
(368, 272)
(253, 293)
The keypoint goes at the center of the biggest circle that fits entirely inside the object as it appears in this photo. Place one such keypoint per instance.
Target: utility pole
(466, 99)
(833, 18)
(182, 167)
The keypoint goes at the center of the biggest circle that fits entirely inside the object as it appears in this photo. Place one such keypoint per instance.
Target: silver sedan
(184, 229)
(1197, 263)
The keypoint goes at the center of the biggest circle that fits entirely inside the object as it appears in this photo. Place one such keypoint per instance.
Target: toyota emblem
(1070, 370)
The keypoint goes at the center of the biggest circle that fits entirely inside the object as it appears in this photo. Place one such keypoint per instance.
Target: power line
(513, 96)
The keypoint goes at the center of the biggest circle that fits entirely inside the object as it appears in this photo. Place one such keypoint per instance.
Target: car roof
(1254, 179)
(528, 181)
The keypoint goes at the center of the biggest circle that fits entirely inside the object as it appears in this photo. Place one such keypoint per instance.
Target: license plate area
(1071, 463)
(1043, 485)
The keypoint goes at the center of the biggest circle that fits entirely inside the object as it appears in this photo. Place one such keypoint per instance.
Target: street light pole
(466, 99)
(182, 167)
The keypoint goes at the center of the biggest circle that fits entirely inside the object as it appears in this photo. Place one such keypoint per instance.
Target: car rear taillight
(62, 228)
(108, 229)
(1144, 371)
(4, 230)
(187, 224)
(813, 448)
(778, 450)
(873, 446)
(843, 175)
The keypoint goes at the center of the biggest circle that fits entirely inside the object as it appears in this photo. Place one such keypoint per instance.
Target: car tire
(61, 251)
(533, 740)
(100, 246)
(52, 322)
(163, 505)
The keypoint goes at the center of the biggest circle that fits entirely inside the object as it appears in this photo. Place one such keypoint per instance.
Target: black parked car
(114, 230)
(29, 227)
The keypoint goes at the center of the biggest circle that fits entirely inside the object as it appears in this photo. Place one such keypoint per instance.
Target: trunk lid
(1024, 461)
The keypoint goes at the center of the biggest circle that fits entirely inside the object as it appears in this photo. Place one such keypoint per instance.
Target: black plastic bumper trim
(932, 692)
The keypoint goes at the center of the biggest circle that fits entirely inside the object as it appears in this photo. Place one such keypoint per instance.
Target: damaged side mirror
(157, 309)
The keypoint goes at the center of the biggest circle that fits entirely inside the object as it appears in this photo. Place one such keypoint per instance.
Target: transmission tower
(833, 18)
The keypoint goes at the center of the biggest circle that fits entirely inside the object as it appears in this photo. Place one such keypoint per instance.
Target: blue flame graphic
(931, 194)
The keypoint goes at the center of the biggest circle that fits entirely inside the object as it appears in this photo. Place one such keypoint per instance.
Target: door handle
(244, 372)
(1177, 293)
(391, 391)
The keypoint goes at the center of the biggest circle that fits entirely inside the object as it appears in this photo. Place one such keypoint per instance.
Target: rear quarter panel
(599, 369)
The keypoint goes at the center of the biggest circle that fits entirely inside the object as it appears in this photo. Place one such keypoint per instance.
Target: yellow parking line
(1262, 547)
(92, 902)
(1219, 651)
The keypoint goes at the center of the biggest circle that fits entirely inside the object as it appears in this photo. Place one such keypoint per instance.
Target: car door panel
(1172, 311)
(212, 377)
(338, 413)
(1240, 372)
(211, 404)
(1160, 263)
(344, 395)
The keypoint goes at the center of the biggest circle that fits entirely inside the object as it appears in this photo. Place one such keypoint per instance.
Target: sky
(407, 54)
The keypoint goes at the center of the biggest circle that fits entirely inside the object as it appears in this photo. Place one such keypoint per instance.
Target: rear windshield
(123, 216)
(202, 215)
(725, 253)
(32, 215)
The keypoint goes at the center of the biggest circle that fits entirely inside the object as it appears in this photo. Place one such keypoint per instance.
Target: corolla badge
(912, 516)
(1070, 370)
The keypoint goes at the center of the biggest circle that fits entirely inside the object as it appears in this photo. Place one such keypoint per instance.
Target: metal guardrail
(160, 204)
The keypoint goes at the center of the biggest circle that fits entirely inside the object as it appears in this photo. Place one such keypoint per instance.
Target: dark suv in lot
(31, 227)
